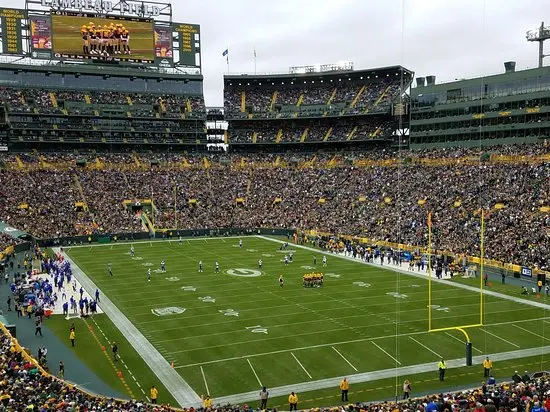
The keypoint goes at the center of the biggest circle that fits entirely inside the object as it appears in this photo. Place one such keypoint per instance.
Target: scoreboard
(11, 21)
(117, 32)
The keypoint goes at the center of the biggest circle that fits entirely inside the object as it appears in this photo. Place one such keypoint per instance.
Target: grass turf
(364, 318)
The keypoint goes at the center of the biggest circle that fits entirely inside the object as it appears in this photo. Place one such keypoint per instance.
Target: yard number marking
(362, 284)
(172, 310)
(397, 295)
(207, 299)
(229, 312)
(172, 279)
(440, 308)
(189, 288)
(257, 329)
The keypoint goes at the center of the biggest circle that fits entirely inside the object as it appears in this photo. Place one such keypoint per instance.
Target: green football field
(231, 332)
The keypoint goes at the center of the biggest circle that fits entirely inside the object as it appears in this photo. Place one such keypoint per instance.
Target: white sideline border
(168, 376)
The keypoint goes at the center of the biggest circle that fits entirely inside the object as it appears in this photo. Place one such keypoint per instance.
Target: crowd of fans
(26, 386)
(369, 194)
(310, 99)
(290, 132)
(42, 101)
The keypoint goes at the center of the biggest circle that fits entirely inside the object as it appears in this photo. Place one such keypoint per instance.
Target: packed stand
(372, 194)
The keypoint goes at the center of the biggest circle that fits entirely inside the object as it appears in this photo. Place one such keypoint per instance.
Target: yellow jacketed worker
(344, 387)
(442, 366)
(293, 401)
(487, 366)
(154, 394)
(207, 402)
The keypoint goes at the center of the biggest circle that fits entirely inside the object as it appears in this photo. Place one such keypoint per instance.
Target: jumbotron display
(91, 37)
(119, 34)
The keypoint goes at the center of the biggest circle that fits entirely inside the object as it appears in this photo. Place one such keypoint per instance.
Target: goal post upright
(461, 328)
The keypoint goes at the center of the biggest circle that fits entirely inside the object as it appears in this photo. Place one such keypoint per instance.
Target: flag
(254, 53)
(225, 52)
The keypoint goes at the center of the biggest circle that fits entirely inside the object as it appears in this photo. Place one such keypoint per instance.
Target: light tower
(541, 34)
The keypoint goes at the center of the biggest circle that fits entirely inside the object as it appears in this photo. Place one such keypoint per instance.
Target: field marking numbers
(207, 299)
(415, 286)
(362, 284)
(170, 279)
(379, 347)
(332, 275)
(425, 347)
(343, 357)
(397, 295)
(147, 264)
(254, 372)
(252, 250)
(204, 379)
(137, 258)
(257, 329)
(229, 312)
(307, 267)
(267, 255)
(171, 310)
(189, 288)
(302, 366)
(439, 308)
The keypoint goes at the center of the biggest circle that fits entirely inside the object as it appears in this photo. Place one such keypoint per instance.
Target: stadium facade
(507, 108)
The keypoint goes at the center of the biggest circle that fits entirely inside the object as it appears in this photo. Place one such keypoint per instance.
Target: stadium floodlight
(539, 35)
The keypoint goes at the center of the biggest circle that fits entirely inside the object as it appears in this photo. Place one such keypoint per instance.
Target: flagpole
(227, 58)
(254, 60)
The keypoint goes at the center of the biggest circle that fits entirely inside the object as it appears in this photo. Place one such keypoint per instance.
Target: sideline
(418, 275)
(170, 378)
(376, 375)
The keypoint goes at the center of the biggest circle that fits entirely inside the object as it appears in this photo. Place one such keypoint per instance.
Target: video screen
(111, 38)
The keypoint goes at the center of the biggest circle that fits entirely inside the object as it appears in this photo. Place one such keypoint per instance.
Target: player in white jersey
(286, 260)
(290, 256)
(217, 269)
(200, 266)
(180, 240)
(163, 266)
(149, 275)
(324, 261)
(260, 263)
(132, 251)
(240, 243)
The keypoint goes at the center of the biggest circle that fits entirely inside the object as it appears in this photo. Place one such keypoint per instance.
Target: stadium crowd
(43, 101)
(265, 100)
(25, 386)
(369, 195)
(268, 131)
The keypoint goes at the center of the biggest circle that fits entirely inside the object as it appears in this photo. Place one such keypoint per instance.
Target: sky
(447, 38)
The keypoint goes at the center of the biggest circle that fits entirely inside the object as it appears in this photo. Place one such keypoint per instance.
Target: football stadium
(330, 238)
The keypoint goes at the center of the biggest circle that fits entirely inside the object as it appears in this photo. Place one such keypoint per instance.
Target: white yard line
(502, 339)
(205, 384)
(425, 347)
(379, 347)
(532, 333)
(379, 374)
(302, 366)
(455, 338)
(254, 372)
(343, 357)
